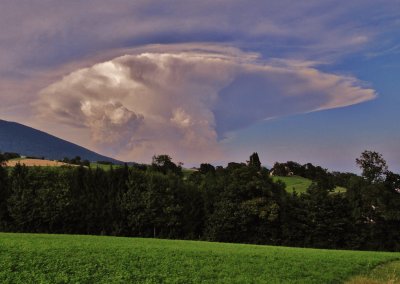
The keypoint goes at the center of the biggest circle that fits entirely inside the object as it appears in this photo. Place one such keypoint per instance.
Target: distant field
(187, 172)
(49, 163)
(103, 166)
(299, 184)
(35, 162)
(29, 258)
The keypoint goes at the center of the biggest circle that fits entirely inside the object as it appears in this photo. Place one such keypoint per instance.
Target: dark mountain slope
(18, 138)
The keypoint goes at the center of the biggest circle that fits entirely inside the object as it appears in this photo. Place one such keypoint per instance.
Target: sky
(207, 81)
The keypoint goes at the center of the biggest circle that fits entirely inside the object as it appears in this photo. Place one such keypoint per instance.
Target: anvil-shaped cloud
(184, 101)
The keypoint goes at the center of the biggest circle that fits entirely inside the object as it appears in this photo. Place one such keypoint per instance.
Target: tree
(373, 166)
(207, 168)
(327, 217)
(280, 169)
(255, 161)
(4, 194)
(20, 202)
(164, 164)
(152, 204)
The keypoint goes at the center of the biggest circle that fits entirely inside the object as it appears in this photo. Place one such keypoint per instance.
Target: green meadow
(387, 273)
(299, 184)
(39, 258)
(105, 167)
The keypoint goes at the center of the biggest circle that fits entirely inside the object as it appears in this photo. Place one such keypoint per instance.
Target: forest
(238, 203)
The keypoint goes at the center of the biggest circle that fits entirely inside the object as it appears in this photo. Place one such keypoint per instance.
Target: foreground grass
(387, 273)
(29, 258)
(299, 184)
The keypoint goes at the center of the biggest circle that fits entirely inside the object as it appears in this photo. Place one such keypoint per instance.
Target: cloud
(184, 99)
(41, 37)
(110, 123)
(48, 32)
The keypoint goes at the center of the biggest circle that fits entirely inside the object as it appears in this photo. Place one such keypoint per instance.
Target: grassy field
(29, 258)
(49, 163)
(388, 273)
(34, 163)
(299, 184)
(95, 165)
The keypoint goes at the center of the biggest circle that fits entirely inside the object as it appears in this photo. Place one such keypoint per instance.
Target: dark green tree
(279, 169)
(247, 207)
(373, 166)
(20, 204)
(254, 161)
(207, 169)
(327, 217)
(164, 164)
(4, 195)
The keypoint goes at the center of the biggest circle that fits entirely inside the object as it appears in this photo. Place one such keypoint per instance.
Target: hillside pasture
(39, 258)
(35, 162)
(105, 167)
(299, 184)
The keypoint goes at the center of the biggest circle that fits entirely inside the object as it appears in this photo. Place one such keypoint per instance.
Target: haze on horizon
(207, 81)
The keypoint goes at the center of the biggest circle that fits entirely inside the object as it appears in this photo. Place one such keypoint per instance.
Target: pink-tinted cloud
(194, 100)
(182, 99)
(39, 37)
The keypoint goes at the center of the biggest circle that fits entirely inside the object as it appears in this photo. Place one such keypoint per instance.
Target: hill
(30, 258)
(299, 184)
(35, 162)
(27, 141)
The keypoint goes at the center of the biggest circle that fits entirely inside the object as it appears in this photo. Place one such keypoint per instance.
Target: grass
(187, 172)
(299, 184)
(38, 258)
(95, 165)
(17, 159)
(35, 163)
(385, 273)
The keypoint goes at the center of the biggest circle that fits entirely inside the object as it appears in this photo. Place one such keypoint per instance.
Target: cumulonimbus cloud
(184, 101)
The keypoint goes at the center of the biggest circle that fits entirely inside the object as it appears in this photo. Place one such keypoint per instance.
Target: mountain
(27, 141)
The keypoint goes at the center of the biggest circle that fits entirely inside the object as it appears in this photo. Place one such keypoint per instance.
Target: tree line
(237, 203)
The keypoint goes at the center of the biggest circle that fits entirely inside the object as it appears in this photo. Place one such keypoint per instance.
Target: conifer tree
(255, 161)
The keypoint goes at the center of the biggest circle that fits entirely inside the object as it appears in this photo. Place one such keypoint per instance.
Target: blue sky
(310, 81)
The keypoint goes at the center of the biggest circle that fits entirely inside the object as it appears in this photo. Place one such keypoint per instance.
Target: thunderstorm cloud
(184, 102)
